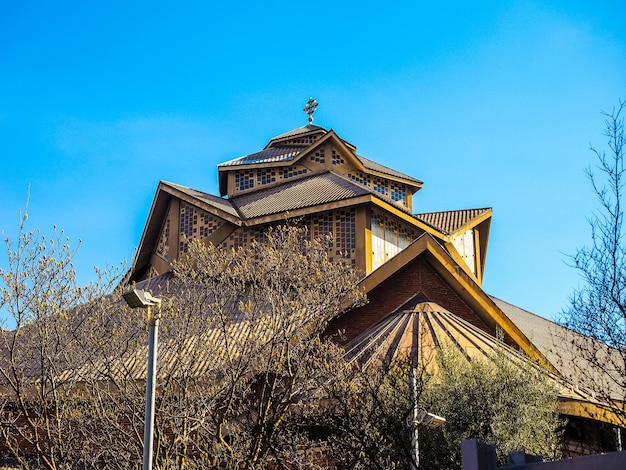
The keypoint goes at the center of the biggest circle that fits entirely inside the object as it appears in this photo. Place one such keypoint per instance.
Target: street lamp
(422, 418)
(419, 418)
(143, 299)
(429, 420)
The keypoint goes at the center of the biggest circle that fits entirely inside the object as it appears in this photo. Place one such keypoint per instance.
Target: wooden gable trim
(467, 289)
(164, 195)
(151, 231)
(406, 217)
(456, 256)
(331, 136)
(205, 206)
(586, 409)
(473, 223)
(481, 226)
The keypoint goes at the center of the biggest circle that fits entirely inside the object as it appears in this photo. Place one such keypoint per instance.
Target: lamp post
(143, 299)
(419, 418)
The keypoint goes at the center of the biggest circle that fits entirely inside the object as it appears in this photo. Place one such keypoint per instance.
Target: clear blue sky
(491, 104)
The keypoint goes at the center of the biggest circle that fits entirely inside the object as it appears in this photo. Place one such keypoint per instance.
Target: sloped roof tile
(372, 165)
(305, 192)
(300, 130)
(270, 155)
(560, 346)
(220, 203)
(449, 222)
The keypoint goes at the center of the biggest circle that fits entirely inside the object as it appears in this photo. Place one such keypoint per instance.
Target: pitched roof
(214, 201)
(270, 155)
(448, 222)
(560, 346)
(274, 152)
(300, 130)
(297, 194)
(377, 167)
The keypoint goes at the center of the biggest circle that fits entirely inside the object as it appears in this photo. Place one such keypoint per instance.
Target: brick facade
(416, 277)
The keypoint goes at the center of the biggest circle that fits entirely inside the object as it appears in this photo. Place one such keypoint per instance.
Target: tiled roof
(270, 155)
(301, 193)
(558, 344)
(449, 222)
(203, 352)
(222, 204)
(300, 130)
(372, 165)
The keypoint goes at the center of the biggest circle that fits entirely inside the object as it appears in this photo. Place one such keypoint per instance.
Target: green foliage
(502, 399)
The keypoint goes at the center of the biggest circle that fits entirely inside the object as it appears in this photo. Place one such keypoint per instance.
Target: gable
(416, 278)
(466, 235)
(305, 152)
(462, 284)
(177, 216)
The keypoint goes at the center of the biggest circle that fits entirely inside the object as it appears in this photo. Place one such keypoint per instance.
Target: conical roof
(416, 332)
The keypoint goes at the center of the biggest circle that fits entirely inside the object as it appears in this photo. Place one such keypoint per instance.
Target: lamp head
(429, 420)
(140, 298)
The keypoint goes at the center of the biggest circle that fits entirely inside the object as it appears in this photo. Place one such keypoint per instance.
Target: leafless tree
(596, 316)
(40, 419)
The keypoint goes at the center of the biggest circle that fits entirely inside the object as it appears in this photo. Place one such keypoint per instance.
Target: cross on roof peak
(310, 108)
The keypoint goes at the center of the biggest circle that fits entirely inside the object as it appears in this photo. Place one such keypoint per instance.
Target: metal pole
(414, 420)
(148, 432)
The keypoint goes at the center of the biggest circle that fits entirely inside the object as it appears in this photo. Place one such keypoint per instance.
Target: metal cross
(310, 108)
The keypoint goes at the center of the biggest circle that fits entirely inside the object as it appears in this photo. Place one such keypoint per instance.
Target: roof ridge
(455, 210)
(448, 222)
(375, 166)
(299, 130)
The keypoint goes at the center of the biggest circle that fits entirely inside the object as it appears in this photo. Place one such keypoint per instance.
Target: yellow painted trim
(484, 303)
(462, 284)
(478, 257)
(364, 239)
(590, 410)
(474, 222)
(409, 219)
(456, 256)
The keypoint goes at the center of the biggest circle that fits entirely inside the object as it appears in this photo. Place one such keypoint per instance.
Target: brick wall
(394, 292)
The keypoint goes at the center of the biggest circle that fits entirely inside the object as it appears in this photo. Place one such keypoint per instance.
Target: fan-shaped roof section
(450, 222)
(417, 332)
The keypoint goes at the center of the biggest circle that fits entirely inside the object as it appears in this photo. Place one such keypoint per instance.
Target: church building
(422, 273)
